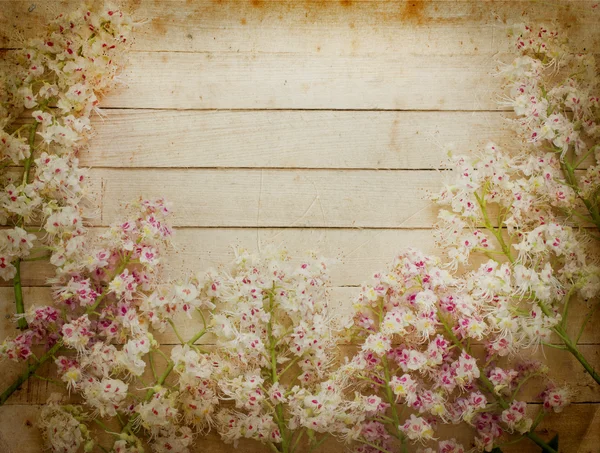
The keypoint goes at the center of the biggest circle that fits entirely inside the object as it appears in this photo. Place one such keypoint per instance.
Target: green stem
(381, 449)
(151, 360)
(163, 377)
(295, 444)
(18, 289)
(161, 380)
(196, 337)
(319, 443)
(559, 330)
(538, 418)
(104, 427)
(569, 174)
(52, 381)
(540, 442)
(585, 321)
(391, 399)
(273, 447)
(101, 297)
(565, 312)
(389, 394)
(555, 346)
(525, 379)
(585, 156)
(29, 160)
(278, 415)
(483, 379)
(571, 346)
(497, 232)
(291, 364)
(30, 371)
(17, 285)
(172, 324)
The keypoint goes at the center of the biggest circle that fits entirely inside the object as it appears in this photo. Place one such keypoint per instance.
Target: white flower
(378, 343)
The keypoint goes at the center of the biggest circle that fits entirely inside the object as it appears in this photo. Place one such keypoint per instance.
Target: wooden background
(315, 125)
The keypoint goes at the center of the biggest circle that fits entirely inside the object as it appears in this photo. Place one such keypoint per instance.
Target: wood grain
(276, 198)
(324, 27)
(309, 124)
(359, 253)
(288, 139)
(185, 80)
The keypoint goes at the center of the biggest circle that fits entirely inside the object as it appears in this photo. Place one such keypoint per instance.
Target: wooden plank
(276, 198)
(359, 252)
(324, 27)
(297, 81)
(130, 138)
(288, 139)
(565, 370)
(341, 303)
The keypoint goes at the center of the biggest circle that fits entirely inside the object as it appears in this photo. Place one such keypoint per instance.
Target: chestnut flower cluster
(530, 209)
(416, 324)
(98, 335)
(276, 342)
(55, 82)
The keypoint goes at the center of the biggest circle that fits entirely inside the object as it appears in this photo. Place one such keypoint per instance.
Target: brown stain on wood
(413, 12)
(567, 18)
(158, 26)
(356, 14)
(243, 21)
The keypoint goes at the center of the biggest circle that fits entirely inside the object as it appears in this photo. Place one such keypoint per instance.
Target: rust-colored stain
(243, 21)
(158, 25)
(567, 19)
(346, 3)
(257, 3)
(413, 12)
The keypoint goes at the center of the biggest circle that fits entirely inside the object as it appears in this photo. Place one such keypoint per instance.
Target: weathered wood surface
(288, 139)
(275, 115)
(323, 27)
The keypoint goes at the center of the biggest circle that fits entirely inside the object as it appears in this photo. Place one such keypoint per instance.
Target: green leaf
(496, 450)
